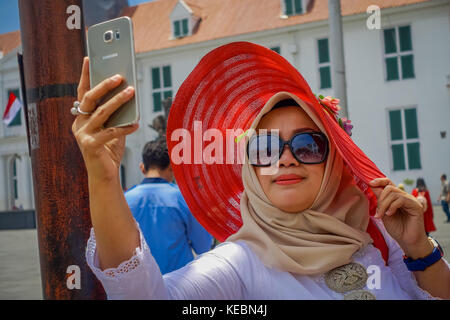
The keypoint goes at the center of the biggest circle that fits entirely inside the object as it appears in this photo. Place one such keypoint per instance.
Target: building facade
(398, 75)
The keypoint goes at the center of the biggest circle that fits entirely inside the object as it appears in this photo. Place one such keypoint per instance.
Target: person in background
(169, 228)
(444, 197)
(422, 194)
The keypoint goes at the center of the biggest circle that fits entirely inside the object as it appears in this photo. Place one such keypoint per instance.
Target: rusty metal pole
(53, 47)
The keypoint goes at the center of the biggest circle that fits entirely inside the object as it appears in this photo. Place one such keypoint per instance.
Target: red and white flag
(12, 109)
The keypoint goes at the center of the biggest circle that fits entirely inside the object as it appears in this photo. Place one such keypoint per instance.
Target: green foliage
(408, 182)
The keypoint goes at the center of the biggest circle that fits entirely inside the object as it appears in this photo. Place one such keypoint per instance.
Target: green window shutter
(156, 79)
(16, 194)
(395, 122)
(405, 38)
(167, 76)
(123, 177)
(185, 27)
(276, 49)
(17, 121)
(288, 4)
(413, 150)
(325, 77)
(157, 106)
(177, 29)
(392, 68)
(324, 55)
(390, 45)
(407, 66)
(412, 131)
(167, 94)
(298, 6)
(398, 157)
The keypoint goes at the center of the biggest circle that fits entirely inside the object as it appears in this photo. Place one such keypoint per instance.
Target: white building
(398, 75)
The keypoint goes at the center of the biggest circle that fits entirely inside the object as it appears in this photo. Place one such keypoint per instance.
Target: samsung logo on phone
(110, 56)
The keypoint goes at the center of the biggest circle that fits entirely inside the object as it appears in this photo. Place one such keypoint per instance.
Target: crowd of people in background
(422, 194)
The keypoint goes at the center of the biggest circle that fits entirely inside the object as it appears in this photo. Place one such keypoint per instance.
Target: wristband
(423, 263)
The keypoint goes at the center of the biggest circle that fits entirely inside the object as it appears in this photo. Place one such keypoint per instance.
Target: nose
(287, 159)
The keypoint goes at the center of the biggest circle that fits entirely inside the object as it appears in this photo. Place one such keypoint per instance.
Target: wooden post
(53, 47)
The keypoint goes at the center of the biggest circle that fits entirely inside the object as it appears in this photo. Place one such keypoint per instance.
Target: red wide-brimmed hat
(227, 90)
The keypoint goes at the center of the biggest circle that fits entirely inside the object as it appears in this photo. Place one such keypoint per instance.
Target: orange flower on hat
(332, 106)
(331, 103)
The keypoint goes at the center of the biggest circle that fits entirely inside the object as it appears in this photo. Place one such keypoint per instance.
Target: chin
(286, 204)
(292, 209)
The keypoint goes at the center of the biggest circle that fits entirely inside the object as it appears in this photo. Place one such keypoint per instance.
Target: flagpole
(53, 47)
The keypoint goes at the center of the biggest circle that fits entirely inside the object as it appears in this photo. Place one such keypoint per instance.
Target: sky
(9, 14)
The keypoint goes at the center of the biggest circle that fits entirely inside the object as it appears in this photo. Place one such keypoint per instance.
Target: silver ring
(76, 111)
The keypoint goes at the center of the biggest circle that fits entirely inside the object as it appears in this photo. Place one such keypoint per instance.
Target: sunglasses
(265, 150)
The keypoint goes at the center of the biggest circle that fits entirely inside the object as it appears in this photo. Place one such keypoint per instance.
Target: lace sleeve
(137, 278)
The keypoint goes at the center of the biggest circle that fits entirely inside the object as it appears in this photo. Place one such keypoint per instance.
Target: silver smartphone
(111, 51)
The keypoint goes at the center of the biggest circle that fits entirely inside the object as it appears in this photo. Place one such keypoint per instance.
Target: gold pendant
(359, 295)
(345, 278)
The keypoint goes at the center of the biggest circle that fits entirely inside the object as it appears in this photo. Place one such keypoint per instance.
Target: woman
(422, 194)
(306, 230)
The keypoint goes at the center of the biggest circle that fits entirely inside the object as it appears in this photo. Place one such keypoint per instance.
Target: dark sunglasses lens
(310, 147)
(263, 150)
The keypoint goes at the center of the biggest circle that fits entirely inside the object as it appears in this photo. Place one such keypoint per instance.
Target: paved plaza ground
(19, 259)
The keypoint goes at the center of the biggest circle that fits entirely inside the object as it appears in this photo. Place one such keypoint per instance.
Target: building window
(293, 7)
(18, 119)
(14, 179)
(404, 139)
(324, 63)
(123, 180)
(161, 86)
(180, 28)
(398, 53)
(276, 49)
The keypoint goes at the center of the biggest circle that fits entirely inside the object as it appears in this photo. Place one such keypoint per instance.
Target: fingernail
(129, 90)
(388, 213)
(116, 77)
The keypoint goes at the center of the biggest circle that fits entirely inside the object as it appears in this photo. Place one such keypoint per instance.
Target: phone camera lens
(108, 36)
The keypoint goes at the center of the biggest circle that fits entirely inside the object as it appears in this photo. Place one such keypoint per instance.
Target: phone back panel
(107, 58)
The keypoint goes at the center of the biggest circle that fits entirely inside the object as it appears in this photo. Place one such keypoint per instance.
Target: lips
(288, 179)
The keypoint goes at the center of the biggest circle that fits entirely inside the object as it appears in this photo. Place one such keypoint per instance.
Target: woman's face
(287, 194)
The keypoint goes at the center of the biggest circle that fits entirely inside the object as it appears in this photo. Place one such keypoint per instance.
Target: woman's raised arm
(117, 234)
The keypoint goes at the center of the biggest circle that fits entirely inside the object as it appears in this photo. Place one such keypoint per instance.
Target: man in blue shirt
(168, 226)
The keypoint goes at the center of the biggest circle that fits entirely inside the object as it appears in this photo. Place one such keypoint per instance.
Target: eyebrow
(304, 130)
(299, 130)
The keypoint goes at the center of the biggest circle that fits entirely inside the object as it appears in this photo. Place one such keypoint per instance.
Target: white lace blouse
(233, 271)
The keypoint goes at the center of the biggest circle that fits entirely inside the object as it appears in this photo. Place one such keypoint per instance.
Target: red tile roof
(9, 41)
(225, 18)
(219, 19)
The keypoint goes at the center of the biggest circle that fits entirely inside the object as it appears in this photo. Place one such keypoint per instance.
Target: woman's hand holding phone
(116, 232)
(102, 148)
